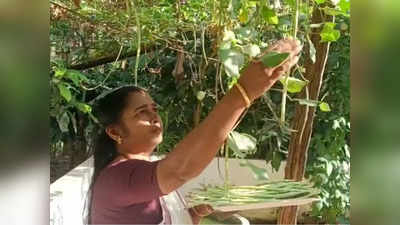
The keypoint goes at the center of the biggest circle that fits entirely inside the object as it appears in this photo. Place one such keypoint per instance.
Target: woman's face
(140, 123)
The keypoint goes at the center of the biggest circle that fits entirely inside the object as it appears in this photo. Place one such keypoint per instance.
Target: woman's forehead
(138, 99)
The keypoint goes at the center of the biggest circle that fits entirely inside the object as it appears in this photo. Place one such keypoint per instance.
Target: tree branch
(105, 59)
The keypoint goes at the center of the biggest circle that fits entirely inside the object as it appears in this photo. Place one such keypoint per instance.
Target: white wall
(68, 193)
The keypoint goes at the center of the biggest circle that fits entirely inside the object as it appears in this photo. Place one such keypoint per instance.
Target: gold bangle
(244, 94)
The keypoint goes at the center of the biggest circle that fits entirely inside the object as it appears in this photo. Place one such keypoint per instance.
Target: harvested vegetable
(242, 195)
(274, 59)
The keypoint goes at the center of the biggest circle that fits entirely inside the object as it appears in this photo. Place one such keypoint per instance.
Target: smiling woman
(127, 186)
(132, 129)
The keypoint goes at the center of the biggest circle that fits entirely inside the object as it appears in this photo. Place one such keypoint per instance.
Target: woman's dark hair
(108, 110)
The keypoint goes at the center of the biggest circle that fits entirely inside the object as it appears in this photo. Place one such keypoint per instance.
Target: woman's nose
(154, 118)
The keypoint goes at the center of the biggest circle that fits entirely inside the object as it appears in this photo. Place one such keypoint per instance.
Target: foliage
(217, 40)
(329, 154)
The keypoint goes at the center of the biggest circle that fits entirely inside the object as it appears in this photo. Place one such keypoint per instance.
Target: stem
(285, 83)
(203, 30)
(138, 43)
(226, 151)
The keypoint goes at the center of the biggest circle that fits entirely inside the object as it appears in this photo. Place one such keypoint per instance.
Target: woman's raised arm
(196, 150)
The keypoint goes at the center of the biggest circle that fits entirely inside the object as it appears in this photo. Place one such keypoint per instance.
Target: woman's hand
(257, 79)
(199, 211)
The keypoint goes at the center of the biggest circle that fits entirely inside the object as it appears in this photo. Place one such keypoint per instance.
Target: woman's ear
(114, 133)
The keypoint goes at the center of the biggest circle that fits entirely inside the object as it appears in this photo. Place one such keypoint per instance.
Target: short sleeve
(134, 181)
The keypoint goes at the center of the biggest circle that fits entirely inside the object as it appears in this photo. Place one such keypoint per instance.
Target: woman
(127, 185)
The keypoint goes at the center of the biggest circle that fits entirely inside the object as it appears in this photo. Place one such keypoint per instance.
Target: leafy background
(188, 53)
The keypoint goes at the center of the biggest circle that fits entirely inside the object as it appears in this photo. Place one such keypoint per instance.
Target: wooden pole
(304, 115)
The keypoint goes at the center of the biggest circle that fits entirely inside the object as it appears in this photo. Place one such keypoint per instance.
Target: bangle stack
(244, 95)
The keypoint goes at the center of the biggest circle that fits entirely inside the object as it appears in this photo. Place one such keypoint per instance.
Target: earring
(119, 141)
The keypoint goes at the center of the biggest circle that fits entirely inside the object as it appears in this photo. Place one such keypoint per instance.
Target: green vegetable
(240, 195)
(274, 59)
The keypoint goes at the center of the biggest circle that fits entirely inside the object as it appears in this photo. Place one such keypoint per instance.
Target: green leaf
(251, 50)
(292, 3)
(228, 36)
(200, 95)
(60, 72)
(65, 92)
(294, 85)
(76, 77)
(344, 6)
(333, 12)
(85, 108)
(269, 15)
(225, 45)
(329, 33)
(232, 60)
(245, 33)
(324, 107)
(319, 1)
(242, 144)
(329, 169)
(312, 50)
(335, 2)
(244, 15)
(258, 173)
(276, 160)
(318, 205)
(274, 59)
(73, 120)
(63, 122)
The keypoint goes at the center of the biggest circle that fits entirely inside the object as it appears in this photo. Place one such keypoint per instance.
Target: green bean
(239, 195)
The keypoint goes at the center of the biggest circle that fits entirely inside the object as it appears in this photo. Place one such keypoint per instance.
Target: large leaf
(294, 85)
(251, 50)
(244, 15)
(228, 36)
(258, 173)
(232, 60)
(344, 5)
(76, 77)
(274, 59)
(329, 33)
(65, 92)
(63, 122)
(319, 1)
(269, 15)
(292, 3)
(60, 72)
(329, 169)
(242, 144)
(276, 160)
(73, 121)
(312, 50)
(245, 33)
(85, 108)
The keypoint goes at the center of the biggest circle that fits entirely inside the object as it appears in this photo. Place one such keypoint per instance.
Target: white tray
(279, 203)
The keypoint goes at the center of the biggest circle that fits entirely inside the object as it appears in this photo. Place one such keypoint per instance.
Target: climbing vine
(188, 53)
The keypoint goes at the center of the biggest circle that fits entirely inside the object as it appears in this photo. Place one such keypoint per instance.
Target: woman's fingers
(203, 210)
(284, 68)
(294, 61)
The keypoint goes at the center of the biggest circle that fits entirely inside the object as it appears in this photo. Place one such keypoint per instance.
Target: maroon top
(127, 192)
